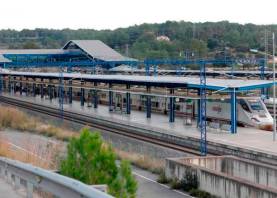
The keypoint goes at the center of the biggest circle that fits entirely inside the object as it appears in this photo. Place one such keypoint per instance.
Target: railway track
(94, 122)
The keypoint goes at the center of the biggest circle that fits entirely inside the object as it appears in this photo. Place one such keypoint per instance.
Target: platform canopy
(3, 59)
(75, 53)
(96, 49)
(159, 81)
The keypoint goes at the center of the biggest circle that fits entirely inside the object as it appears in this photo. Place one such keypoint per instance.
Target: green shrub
(92, 161)
(200, 194)
(189, 181)
(163, 179)
(175, 184)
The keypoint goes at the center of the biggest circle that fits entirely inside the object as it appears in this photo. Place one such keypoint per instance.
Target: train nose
(267, 127)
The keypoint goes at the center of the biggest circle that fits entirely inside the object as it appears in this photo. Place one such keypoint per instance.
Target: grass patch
(142, 161)
(15, 119)
(12, 118)
(33, 153)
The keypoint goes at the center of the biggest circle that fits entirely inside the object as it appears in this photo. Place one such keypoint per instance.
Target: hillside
(166, 40)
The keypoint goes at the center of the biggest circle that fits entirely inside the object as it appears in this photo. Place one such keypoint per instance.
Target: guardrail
(34, 180)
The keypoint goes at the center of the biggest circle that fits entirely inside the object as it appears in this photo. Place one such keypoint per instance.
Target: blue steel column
(198, 108)
(95, 96)
(1, 84)
(262, 74)
(110, 98)
(50, 90)
(9, 85)
(203, 130)
(82, 94)
(4, 84)
(147, 69)
(41, 88)
(233, 111)
(34, 88)
(148, 103)
(20, 85)
(155, 70)
(13, 85)
(171, 107)
(128, 100)
(70, 92)
(61, 86)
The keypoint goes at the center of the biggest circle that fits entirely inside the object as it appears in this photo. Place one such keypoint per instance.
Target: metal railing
(34, 180)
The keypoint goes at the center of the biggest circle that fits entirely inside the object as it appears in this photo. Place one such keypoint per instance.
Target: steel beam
(233, 111)
(171, 107)
(148, 103)
(128, 100)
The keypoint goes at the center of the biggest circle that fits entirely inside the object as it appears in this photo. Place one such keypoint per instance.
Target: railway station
(218, 113)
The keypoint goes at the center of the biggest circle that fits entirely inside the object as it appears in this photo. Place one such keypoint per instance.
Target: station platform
(246, 138)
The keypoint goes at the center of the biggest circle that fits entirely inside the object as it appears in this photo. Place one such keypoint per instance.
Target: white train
(250, 111)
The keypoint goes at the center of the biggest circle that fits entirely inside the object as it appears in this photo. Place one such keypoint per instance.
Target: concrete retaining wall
(228, 177)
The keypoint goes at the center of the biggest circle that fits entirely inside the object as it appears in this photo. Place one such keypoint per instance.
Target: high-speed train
(250, 111)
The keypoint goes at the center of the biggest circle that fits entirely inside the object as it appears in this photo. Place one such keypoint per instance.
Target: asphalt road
(7, 191)
(149, 188)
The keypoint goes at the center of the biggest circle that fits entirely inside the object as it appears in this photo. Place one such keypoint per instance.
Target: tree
(92, 161)
(30, 45)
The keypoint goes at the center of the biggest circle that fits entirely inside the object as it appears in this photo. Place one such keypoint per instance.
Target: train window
(244, 106)
(256, 105)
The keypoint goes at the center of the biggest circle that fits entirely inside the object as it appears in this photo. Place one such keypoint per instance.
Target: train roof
(160, 81)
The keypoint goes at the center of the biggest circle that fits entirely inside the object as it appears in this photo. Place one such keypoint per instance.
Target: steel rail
(105, 125)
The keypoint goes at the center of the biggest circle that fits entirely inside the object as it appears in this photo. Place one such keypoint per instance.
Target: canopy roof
(162, 81)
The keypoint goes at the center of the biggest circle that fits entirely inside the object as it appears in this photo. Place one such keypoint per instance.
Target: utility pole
(274, 89)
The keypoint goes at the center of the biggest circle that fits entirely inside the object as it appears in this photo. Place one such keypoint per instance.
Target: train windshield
(256, 105)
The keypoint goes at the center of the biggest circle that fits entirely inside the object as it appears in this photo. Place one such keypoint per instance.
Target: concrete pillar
(110, 98)
(128, 100)
(171, 107)
(233, 111)
(148, 102)
(70, 92)
(95, 96)
(82, 94)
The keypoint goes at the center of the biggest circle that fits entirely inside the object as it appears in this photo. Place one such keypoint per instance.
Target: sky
(111, 14)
